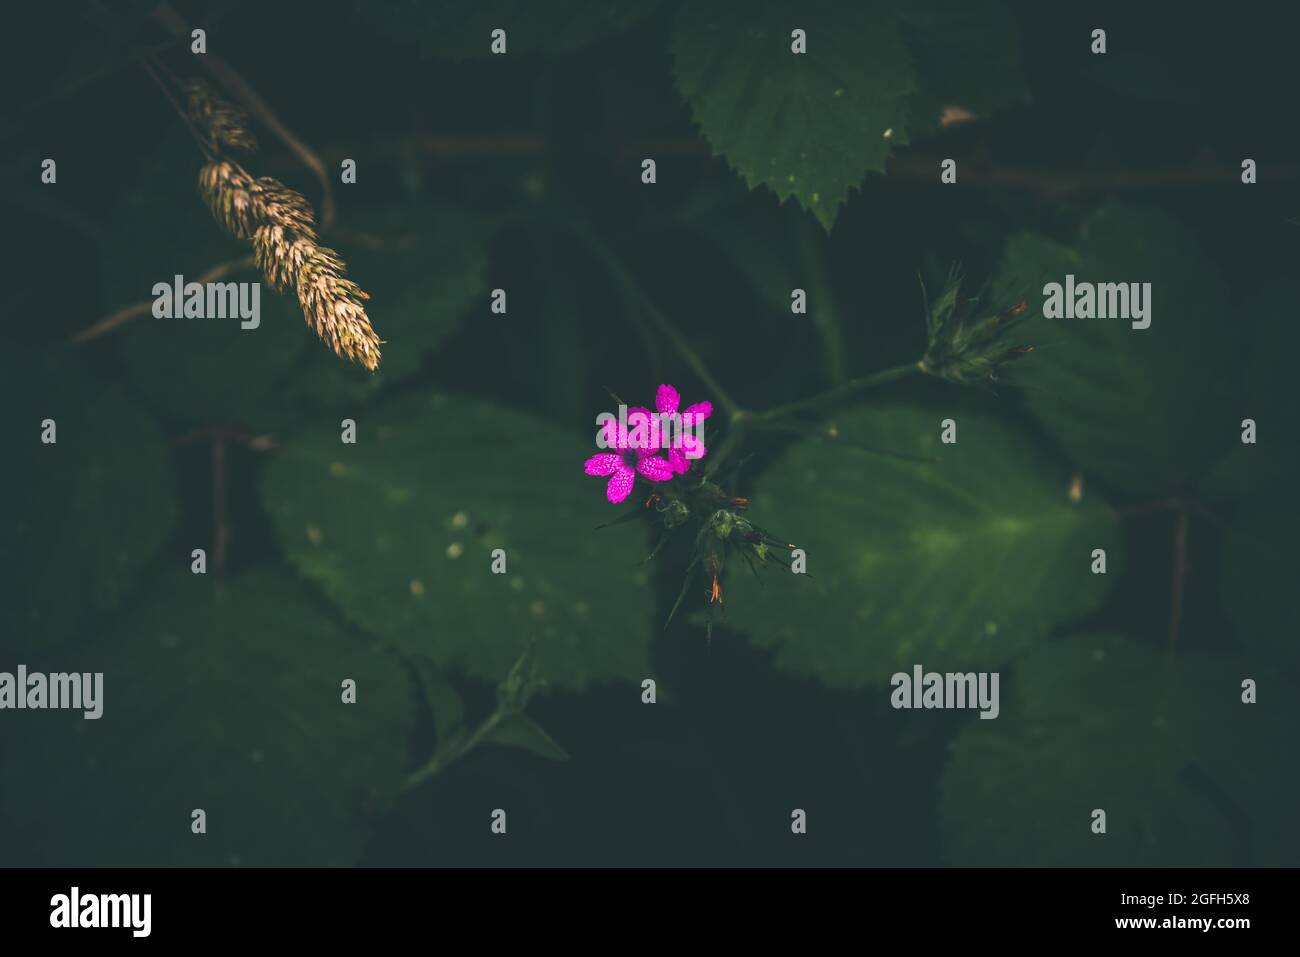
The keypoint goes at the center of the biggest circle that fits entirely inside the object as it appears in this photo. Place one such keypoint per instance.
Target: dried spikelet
(332, 306)
(281, 224)
(281, 206)
(229, 192)
(281, 253)
(220, 123)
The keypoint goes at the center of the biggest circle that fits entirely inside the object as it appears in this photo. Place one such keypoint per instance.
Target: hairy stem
(825, 313)
(837, 394)
(611, 261)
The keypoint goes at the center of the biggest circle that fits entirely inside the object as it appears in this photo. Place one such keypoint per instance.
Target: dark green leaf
(232, 703)
(1187, 774)
(1145, 409)
(400, 529)
(957, 563)
(805, 125)
(1268, 397)
(84, 514)
(424, 267)
(812, 125)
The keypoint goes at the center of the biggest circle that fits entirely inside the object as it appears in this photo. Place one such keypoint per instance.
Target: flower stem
(825, 312)
(602, 251)
(839, 393)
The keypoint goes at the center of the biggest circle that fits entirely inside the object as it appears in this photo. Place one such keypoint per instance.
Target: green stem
(441, 761)
(729, 445)
(831, 396)
(601, 250)
(825, 313)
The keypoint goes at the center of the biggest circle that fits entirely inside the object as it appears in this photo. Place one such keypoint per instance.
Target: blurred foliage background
(522, 172)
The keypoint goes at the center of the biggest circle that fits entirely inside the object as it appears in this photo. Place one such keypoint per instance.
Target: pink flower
(679, 455)
(623, 464)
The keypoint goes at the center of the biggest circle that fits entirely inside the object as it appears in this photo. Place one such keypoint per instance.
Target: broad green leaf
(399, 530)
(228, 701)
(1267, 396)
(194, 369)
(812, 125)
(521, 731)
(958, 563)
(1187, 774)
(967, 55)
(808, 126)
(423, 267)
(1259, 577)
(462, 29)
(82, 515)
(1144, 409)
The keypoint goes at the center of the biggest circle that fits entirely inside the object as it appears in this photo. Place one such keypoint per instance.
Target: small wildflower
(689, 448)
(624, 463)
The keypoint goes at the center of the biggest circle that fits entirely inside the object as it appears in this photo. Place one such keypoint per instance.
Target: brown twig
(977, 170)
(124, 315)
(984, 174)
(242, 91)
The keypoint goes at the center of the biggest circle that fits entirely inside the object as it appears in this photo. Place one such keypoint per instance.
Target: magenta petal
(666, 399)
(702, 409)
(693, 447)
(677, 461)
(620, 484)
(647, 423)
(655, 469)
(603, 464)
(616, 435)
